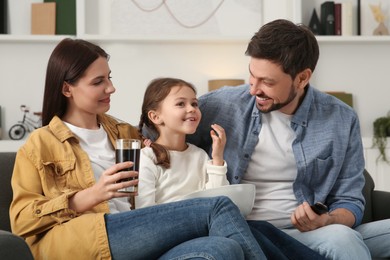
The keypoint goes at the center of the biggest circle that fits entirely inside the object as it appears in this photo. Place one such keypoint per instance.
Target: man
(297, 145)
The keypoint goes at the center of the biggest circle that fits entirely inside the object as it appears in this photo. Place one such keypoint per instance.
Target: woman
(66, 202)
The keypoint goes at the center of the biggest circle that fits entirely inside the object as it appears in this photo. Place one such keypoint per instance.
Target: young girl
(65, 185)
(172, 168)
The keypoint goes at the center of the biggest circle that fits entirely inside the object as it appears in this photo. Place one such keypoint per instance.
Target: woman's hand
(105, 188)
(219, 141)
(110, 182)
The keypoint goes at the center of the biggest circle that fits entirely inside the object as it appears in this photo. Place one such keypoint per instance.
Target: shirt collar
(302, 114)
(60, 130)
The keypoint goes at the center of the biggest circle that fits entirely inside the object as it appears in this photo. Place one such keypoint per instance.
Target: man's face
(273, 89)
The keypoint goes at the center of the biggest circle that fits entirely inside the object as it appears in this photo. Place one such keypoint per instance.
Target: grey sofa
(13, 247)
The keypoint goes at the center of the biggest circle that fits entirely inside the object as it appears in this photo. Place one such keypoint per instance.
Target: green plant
(381, 132)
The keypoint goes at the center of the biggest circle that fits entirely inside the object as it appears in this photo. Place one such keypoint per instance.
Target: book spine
(337, 18)
(346, 18)
(327, 17)
(65, 16)
(3, 17)
(358, 10)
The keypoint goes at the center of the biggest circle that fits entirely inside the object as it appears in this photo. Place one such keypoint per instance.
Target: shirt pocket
(319, 176)
(60, 176)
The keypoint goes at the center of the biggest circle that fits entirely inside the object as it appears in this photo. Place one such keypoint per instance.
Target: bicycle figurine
(18, 130)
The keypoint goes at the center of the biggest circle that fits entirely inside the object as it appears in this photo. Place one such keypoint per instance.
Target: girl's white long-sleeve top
(190, 171)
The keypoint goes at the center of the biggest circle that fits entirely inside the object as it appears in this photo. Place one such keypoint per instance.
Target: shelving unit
(296, 10)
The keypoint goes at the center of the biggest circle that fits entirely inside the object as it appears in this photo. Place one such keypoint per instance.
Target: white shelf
(10, 145)
(32, 38)
(178, 39)
(295, 10)
(354, 39)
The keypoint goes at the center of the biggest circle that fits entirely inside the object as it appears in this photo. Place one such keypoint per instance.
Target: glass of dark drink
(128, 150)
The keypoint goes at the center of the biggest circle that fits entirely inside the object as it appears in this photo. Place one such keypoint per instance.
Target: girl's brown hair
(157, 90)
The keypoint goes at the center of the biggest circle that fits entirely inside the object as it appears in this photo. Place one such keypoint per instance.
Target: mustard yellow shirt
(49, 168)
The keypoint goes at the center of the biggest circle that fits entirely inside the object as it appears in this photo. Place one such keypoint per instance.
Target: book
(3, 17)
(315, 24)
(65, 16)
(43, 18)
(346, 18)
(358, 11)
(343, 96)
(327, 18)
(337, 19)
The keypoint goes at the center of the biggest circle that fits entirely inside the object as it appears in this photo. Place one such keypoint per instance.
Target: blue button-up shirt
(328, 147)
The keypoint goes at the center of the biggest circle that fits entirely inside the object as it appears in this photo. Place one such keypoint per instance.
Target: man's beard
(276, 106)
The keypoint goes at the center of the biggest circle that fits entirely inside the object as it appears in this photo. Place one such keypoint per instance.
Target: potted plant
(381, 132)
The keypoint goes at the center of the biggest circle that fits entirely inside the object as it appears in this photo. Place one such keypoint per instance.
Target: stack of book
(54, 17)
(335, 19)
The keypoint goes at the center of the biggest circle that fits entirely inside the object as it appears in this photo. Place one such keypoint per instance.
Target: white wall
(133, 65)
(359, 67)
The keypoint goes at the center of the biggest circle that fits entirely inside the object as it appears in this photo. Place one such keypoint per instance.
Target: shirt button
(236, 177)
(59, 169)
(71, 216)
(38, 211)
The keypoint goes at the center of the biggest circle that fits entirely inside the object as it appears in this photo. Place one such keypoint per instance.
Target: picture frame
(216, 18)
(371, 11)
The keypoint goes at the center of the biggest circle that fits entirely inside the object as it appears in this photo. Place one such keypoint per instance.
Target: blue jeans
(211, 247)
(149, 233)
(341, 242)
(278, 245)
(335, 241)
(376, 236)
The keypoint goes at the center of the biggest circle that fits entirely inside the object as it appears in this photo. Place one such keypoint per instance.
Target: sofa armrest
(13, 247)
(380, 204)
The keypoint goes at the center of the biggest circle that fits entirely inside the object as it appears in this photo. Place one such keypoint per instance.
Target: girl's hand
(217, 133)
(147, 142)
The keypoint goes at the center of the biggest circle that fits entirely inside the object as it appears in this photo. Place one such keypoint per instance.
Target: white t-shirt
(273, 171)
(102, 156)
(190, 171)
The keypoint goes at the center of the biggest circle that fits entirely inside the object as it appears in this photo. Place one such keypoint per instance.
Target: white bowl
(243, 195)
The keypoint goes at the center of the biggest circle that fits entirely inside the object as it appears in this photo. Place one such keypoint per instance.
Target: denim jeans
(376, 236)
(212, 247)
(151, 232)
(336, 241)
(278, 245)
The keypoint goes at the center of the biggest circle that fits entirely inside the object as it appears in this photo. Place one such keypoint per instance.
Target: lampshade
(217, 83)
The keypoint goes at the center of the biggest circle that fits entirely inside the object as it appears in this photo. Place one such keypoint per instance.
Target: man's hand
(305, 219)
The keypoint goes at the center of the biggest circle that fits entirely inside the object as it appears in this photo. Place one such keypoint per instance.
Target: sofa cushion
(13, 247)
(7, 161)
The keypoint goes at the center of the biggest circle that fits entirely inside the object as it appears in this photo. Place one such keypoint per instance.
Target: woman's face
(90, 95)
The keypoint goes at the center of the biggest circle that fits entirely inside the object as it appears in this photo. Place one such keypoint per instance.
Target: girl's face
(90, 95)
(178, 113)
